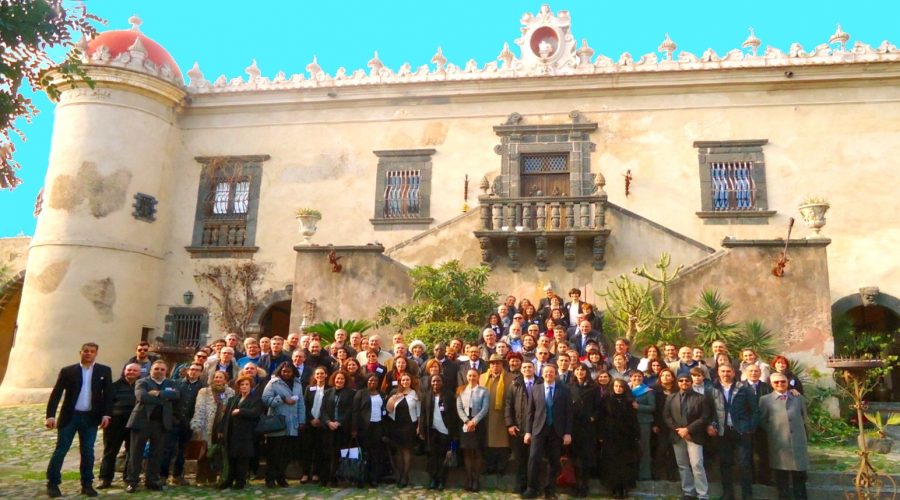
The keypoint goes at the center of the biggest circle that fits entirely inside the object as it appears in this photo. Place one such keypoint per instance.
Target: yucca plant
(325, 330)
(710, 318)
(754, 336)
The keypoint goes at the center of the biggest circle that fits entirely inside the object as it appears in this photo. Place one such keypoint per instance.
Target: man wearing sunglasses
(688, 414)
(783, 416)
(143, 358)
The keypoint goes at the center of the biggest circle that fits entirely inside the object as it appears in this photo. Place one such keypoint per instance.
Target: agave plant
(325, 330)
(710, 317)
(753, 336)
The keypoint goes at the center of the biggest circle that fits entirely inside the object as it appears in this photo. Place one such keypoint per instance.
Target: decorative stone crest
(540, 248)
(569, 253)
(487, 251)
(869, 296)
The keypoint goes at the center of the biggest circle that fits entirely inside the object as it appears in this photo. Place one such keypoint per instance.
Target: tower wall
(93, 272)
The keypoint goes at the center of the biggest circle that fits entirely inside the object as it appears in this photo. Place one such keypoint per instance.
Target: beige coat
(205, 412)
(497, 436)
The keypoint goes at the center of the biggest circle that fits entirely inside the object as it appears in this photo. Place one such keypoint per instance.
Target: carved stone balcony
(510, 222)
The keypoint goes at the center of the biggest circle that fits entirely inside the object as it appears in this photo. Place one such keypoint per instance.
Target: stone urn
(307, 219)
(813, 213)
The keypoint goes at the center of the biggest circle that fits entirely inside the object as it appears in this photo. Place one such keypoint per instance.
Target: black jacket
(515, 404)
(362, 410)
(448, 414)
(699, 414)
(147, 403)
(563, 410)
(342, 400)
(184, 407)
(123, 399)
(69, 382)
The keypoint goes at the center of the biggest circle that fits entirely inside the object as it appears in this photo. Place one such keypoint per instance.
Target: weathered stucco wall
(14, 253)
(93, 270)
(368, 279)
(795, 307)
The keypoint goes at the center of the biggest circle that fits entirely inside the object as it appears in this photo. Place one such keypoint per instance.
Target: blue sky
(225, 35)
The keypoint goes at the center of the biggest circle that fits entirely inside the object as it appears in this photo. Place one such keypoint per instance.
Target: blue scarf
(640, 390)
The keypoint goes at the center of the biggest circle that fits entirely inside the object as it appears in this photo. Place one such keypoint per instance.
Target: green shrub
(824, 429)
(443, 331)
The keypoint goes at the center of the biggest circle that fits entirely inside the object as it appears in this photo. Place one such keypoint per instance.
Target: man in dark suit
(515, 412)
(548, 427)
(472, 361)
(86, 406)
(741, 420)
(151, 419)
(688, 414)
(304, 371)
(583, 334)
(758, 388)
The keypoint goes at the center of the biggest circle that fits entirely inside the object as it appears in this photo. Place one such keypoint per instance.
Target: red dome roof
(119, 41)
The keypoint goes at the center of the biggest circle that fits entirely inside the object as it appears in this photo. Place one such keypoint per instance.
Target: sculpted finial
(841, 37)
(506, 55)
(375, 64)
(667, 47)
(584, 52)
(135, 23)
(252, 71)
(752, 42)
(195, 74)
(439, 60)
(313, 68)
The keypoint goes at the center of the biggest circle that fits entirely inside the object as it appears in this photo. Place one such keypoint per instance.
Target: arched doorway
(10, 297)
(276, 320)
(864, 320)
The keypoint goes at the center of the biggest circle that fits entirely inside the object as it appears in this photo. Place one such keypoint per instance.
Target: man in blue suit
(741, 420)
(548, 427)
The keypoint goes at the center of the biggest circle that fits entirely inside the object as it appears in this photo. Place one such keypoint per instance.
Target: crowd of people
(540, 396)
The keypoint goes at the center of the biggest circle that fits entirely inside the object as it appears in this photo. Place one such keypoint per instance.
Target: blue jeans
(86, 428)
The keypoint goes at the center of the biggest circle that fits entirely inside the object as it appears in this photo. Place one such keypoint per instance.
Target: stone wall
(795, 307)
(367, 280)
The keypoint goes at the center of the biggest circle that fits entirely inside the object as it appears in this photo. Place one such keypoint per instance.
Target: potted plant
(878, 440)
(308, 218)
(812, 210)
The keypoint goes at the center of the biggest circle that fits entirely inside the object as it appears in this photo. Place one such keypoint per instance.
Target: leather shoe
(88, 491)
(270, 483)
(53, 491)
(282, 483)
(131, 488)
(104, 484)
(529, 493)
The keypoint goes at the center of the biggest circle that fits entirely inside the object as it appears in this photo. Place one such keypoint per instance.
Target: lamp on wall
(188, 297)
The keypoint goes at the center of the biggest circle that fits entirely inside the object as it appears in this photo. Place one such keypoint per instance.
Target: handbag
(271, 423)
(195, 449)
(352, 464)
(566, 473)
(451, 459)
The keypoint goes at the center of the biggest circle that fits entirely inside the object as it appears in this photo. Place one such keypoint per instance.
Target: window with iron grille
(732, 186)
(733, 182)
(545, 163)
(186, 326)
(403, 187)
(401, 194)
(228, 198)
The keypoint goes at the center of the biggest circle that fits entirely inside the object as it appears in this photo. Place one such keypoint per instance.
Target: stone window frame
(249, 166)
(517, 139)
(176, 314)
(404, 159)
(746, 150)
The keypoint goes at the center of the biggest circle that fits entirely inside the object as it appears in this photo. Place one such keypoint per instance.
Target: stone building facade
(575, 167)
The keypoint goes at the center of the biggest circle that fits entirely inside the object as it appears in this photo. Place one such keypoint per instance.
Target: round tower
(94, 265)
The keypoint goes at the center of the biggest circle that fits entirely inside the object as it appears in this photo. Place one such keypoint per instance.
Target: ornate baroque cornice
(548, 48)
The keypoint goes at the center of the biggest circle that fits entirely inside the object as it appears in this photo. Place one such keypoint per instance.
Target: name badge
(379, 370)
(314, 388)
(394, 382)
(441, 408)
